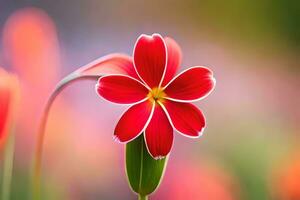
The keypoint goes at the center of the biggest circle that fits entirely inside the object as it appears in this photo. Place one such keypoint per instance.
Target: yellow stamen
(156, 94)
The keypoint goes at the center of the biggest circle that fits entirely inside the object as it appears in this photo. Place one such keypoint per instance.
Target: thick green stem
(141, 197)
(42, 128)
(8, 166)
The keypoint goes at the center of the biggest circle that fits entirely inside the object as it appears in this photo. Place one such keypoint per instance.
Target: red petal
(121, 89)
(133, 121)
(190, 85)
(110, 64)
(9, 98)
(174, 59)
(185, 117)
(159, 134)
(4, 102)
(150, 59)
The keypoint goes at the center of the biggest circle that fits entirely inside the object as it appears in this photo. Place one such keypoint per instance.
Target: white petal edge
(165, 68)
(194, 100)
(97, 86)
(200, 133)
(160, 157)
(143, 129)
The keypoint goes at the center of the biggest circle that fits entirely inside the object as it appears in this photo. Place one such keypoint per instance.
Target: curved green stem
(41, 132)
(8, 166)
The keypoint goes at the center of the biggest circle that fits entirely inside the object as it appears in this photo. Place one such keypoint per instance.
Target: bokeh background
(250, 149)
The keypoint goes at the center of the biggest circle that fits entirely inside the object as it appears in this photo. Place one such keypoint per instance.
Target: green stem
(42, 128)
(141, 197)
(8, 167)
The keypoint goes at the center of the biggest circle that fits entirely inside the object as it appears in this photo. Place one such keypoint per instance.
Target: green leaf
(144, 172)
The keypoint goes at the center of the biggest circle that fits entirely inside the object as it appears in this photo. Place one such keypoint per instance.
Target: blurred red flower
(8, 96)
(197, 180)
(30, 46)
(287, 182)
(161, 100)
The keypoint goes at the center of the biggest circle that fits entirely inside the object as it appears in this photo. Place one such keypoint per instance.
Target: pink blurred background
(250, 148)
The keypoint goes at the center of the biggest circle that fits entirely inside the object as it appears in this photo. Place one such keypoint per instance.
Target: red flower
(8, 98)
(160, 100)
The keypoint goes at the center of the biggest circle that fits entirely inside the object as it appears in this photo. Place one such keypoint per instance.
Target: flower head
(161, 101)
(8, 96)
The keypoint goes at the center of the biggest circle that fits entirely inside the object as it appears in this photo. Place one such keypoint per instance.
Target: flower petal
(9, 101)
(121, 89)
(4, 102)
(174, 59)
(185, 117)
(192, 84)
(159, 134)
(150, 59)
(110, 64)
(133, 121)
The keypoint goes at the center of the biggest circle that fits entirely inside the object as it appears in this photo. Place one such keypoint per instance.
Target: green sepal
(144, 173)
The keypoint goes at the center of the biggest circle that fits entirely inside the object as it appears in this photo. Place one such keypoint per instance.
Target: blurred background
(251, 147)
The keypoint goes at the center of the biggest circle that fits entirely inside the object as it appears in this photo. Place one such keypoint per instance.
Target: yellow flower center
(156, 94)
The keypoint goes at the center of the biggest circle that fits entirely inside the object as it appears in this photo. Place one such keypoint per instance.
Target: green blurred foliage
(251, 150)
(262, 21)
(21, 186)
